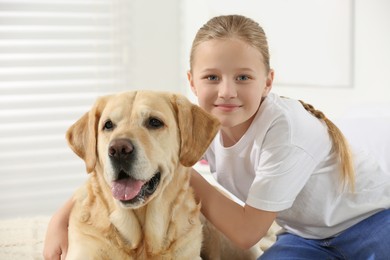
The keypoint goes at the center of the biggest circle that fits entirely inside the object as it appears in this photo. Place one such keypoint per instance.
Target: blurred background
(58, 56)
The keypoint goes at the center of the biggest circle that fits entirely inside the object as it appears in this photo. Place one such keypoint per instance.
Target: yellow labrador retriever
(137, 203)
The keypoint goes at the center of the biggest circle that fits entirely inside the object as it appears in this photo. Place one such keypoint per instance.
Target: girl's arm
(245, 226)
(56, 241)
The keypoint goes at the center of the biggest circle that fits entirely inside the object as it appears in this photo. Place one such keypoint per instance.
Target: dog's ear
(197, 129)
(82, 135)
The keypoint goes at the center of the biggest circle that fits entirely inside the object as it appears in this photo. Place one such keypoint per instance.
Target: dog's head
(138, 138)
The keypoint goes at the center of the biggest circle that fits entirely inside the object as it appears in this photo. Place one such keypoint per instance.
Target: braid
(340, 144)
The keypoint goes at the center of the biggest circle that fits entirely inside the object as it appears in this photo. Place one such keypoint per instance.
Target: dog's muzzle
(125, 187)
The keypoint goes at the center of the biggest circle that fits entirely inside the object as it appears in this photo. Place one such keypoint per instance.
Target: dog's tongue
(126, 189)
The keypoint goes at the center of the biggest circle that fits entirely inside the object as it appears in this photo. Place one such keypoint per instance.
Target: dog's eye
(108, 125)
(154, 123)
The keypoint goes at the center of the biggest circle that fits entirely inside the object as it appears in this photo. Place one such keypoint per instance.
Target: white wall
(156, 44)
(371, 82)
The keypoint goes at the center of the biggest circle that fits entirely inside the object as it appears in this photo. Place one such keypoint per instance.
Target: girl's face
(229, 78)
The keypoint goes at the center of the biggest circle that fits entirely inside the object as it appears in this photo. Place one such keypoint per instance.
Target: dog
(138, 147)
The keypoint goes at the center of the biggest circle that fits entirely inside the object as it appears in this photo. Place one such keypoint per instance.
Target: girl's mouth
(227, 107)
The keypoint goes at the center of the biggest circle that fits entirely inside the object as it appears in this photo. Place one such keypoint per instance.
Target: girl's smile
(227, 107)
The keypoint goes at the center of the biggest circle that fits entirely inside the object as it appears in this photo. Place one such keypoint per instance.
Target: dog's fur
(150, 139)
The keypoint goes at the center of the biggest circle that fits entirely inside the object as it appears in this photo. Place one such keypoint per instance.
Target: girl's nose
(227, 89)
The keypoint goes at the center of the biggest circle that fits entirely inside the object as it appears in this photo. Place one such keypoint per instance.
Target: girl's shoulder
(280, 112)
(277, 108)
(286, 121)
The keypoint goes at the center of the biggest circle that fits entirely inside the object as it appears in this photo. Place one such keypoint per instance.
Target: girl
(286, 164)
(281, 157)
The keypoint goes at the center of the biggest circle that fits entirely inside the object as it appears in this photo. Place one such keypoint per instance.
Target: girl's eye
(242, 78)
(212, 78)
(108, 125)
(154, 123)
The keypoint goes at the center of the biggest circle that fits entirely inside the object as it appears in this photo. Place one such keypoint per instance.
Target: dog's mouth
(129, 190)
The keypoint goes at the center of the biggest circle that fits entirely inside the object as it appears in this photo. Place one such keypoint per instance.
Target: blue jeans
(368, 239)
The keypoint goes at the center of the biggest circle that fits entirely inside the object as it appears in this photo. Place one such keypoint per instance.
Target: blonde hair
(229, 27)
(340, 144)
(249, 31)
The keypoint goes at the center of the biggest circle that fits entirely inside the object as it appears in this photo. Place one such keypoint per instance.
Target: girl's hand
(56, 241)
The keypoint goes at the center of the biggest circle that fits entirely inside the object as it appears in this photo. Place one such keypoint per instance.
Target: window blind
(56, 58)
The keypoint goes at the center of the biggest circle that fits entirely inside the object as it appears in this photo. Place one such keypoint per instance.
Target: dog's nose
(120, 148)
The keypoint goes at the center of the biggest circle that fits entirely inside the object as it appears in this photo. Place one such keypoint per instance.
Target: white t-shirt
(285, 163)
